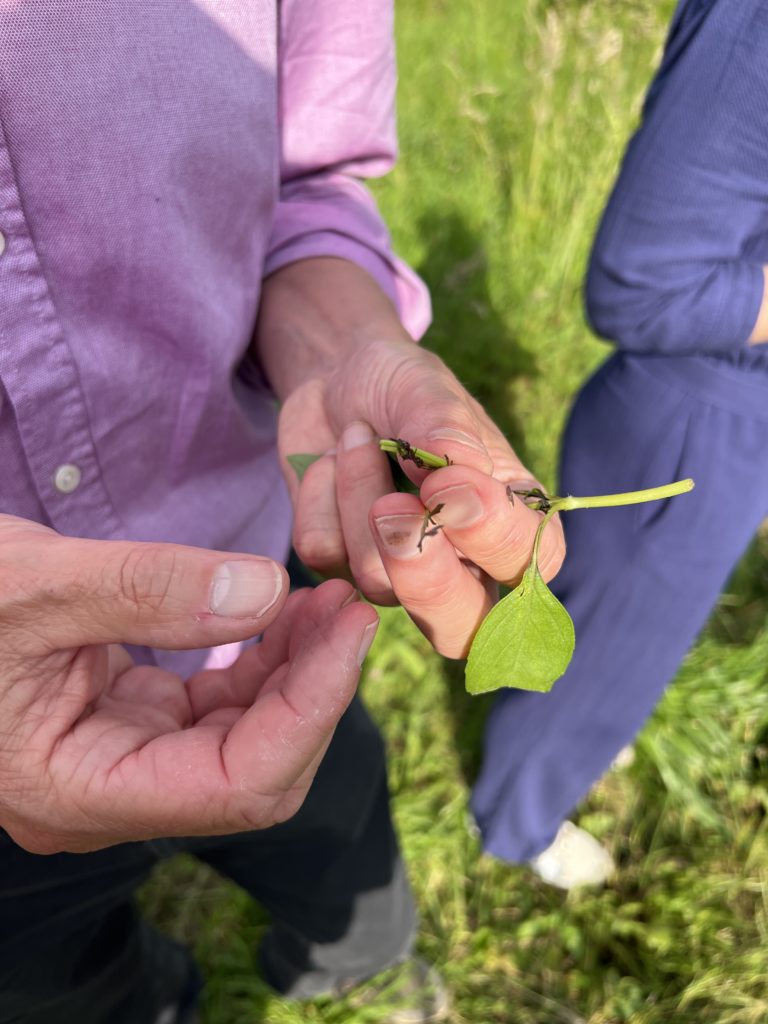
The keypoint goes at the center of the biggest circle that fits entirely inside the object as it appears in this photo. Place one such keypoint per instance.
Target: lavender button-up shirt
(157, 159)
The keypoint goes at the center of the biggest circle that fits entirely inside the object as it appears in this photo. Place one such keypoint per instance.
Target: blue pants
(676, 281)
(638, 581)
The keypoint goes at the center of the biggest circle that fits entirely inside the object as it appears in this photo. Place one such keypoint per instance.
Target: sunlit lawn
(513, 116)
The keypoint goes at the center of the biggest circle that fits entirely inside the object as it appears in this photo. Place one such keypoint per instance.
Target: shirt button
(67, 478)
(2, 243)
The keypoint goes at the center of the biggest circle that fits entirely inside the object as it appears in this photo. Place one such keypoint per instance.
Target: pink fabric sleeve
(337, 119)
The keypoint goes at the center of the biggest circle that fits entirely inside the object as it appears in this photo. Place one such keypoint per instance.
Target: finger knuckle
(24, 579)
(143, 578)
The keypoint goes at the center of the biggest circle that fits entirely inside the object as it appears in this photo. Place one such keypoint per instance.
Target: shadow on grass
(468, 715)
(221, 925)
(742, 611)
(468, 332)
(474, 339)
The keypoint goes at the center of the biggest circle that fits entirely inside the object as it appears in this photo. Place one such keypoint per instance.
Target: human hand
(346, 513)
(96, 750)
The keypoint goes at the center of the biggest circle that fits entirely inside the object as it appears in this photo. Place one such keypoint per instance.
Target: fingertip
(366, 640)
(358, 624)
(332, 595)
(317, 532)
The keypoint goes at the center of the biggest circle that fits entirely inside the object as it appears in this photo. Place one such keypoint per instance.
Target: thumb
(58, 592)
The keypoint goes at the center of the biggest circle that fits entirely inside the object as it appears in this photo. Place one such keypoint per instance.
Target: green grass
(513, 117)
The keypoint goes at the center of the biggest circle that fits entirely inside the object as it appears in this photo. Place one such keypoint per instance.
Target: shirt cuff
(339, 218)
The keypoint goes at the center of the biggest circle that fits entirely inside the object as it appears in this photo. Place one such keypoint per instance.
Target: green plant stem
(545, 519)
(554, 504)
(569, 503)
(395, 447)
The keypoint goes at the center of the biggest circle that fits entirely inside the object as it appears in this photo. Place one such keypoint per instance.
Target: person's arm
(677, 265)
(96, 751)
(336, 87)
(347, 373)
(334, 338)
(336, 320)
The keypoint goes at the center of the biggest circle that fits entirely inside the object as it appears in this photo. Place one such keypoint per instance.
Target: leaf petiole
(539, 500)
(423, 459)
(536, 540)
(569, 503)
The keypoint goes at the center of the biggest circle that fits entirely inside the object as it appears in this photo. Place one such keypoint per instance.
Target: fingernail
(449, 434)
(524, 484)
(367, 639)
(400, 534)
(355, 435)
(462, 506)
(245, 589)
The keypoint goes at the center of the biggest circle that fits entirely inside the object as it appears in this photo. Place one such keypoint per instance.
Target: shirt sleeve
(337, 118)
(677, 263)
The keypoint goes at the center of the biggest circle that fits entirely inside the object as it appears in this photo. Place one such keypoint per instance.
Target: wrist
(314, 316)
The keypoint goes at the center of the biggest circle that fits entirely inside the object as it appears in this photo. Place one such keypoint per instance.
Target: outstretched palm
(100, 750)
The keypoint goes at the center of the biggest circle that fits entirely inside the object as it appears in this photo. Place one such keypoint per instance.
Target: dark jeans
(74, 951)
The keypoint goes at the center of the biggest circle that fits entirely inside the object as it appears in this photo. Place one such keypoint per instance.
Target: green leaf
(526, 641)
(301, 463)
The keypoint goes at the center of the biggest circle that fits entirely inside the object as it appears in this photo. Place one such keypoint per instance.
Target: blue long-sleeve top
(676, 266)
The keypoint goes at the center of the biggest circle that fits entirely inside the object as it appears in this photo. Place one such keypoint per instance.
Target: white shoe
(624, 759)
(574, 858)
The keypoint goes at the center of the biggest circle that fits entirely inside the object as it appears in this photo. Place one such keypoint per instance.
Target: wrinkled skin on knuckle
(29, 589)
(429, 394)
(143, 579)
(24, 635)
(379, 372)
(432, 596)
